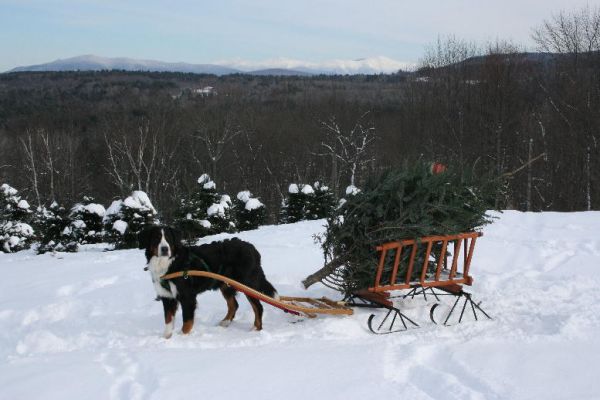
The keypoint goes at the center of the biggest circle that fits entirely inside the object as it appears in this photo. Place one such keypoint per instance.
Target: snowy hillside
(86, 325)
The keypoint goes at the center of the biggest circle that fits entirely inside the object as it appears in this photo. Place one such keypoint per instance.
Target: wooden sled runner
(431, 265)
(293, 305)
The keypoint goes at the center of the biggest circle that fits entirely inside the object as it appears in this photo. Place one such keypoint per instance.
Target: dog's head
(159, 241)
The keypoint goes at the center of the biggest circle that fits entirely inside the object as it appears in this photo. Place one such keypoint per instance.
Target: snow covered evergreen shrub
(123, 220)
(15, 213)
(321, 204)
(220, 217)
(192, 217)
(86, 221)
(110, 232)
(53, 230)
(250, 213)
(204, 212)
(296, 207)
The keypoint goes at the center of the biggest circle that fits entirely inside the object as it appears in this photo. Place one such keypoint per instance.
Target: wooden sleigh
(432, 265)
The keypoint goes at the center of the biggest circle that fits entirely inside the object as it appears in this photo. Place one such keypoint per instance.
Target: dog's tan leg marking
(232, 306)
(258, 310)
(187, 327)
(169, 324)
(169, 317)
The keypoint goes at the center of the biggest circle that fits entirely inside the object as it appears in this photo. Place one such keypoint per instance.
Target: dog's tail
(268, 289)
(264, 286)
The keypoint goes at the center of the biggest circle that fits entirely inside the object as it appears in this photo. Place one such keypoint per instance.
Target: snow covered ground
(86, 325)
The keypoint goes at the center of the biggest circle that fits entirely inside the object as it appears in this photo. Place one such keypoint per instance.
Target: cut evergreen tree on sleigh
(414, 203)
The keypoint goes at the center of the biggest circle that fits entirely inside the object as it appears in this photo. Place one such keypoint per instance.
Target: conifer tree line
(66, 135)
(205, 211)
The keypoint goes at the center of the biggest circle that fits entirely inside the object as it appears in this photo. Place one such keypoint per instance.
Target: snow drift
(85, 325)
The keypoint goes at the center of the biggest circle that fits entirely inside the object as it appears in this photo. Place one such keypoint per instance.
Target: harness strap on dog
(185, 273)
(165, 284)
(195, 259)
(199, 264)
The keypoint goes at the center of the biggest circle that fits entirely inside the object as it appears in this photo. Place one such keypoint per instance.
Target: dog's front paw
(169, 329)
(225, 323)
(187, 327)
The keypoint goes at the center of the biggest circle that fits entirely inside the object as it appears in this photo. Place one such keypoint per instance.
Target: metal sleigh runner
(434, 265)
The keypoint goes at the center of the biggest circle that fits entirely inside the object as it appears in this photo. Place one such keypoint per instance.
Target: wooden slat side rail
(457, 247)
(441, 261)
(448, 269)
(411, 264)
(468, 262)
(396, 264)
(426, 260)
(380, 267)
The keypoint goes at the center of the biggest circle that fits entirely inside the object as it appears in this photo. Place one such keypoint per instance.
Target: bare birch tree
(216, 139)
(143, 160)
(31, 166)
(349, 147)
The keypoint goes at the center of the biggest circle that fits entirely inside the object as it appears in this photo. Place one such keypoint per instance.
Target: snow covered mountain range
(280, 66)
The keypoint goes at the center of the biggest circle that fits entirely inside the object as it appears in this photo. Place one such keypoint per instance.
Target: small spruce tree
(86, 221)
(52, 225)
(295, 207)
(322, 203)
(220, 217)
(134, 213)
(110, 232)
(250, 213)
(192, 217)
(15, 213)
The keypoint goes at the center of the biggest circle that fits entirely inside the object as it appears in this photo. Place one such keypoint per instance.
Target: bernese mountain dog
(232, 258)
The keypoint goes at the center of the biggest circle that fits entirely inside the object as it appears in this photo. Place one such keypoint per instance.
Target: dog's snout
(164, 250)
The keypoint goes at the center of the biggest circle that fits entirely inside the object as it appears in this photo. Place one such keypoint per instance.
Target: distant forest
(64, 135)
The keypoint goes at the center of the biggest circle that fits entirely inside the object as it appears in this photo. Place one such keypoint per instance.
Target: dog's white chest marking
(158, 266)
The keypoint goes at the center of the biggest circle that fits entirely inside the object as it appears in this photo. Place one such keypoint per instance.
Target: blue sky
(33, 32)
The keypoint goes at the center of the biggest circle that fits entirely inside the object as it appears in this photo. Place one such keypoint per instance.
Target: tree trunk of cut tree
(327, 269)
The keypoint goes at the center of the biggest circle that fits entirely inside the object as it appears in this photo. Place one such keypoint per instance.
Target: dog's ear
(144, 238)
(175, 236)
